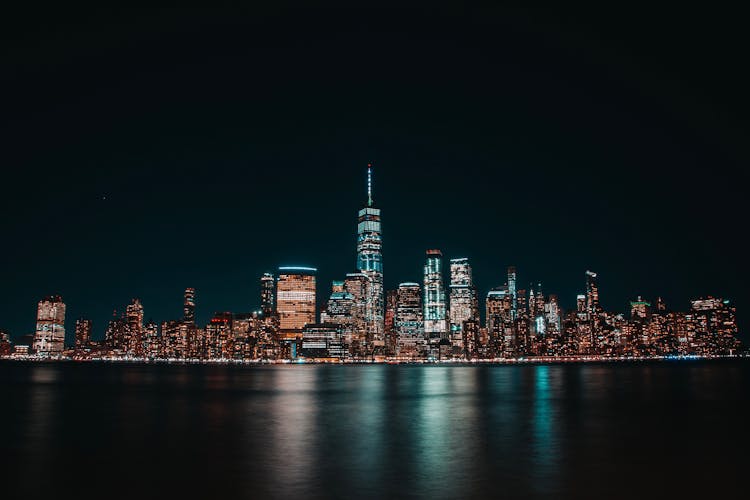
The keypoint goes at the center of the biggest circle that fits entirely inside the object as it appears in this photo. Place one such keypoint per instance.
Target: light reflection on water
(371, 431)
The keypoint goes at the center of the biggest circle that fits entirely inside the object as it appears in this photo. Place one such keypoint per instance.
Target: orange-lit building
(295, 300)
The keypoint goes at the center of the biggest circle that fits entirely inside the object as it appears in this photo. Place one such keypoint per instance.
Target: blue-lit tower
(435, 310)
(370, 263)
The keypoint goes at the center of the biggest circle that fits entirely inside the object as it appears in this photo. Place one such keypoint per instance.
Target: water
(379, 431)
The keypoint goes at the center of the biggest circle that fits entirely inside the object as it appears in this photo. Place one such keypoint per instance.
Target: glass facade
(370, 263)
(295, 299)
(464, 305)
(435, 322)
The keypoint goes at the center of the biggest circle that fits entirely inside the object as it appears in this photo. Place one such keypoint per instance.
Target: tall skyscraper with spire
(370, 263)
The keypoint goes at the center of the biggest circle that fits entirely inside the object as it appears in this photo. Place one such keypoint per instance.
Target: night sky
(147, 151)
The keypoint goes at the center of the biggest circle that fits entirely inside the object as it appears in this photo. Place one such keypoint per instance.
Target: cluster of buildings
(437, 319)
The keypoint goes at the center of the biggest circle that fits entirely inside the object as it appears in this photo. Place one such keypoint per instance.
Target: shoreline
(556, 360)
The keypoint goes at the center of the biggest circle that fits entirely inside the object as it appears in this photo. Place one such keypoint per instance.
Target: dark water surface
(98, 430)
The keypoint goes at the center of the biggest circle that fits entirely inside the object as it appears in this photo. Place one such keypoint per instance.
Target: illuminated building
(581, 304)
(115, 335)
(295, 300)
(391, 302)
(639, 308)
(268, 294)
(219, 336)
(592, 293)
(151, 340)
(370, 263)
(83, 333)
(537, 321)
(243, 335)
(500, 325)
(715, 326)
(188, 315)
(409, 320)
(174, 339)
(21, 350)
(49, 337)
(134, 328)
(472, 341)
(464, 305)
(512, 292)
(521, 326)
(435, 323)
(553, 326)
(358, 284)
(341, 310)
(6, 347)
(322, 340)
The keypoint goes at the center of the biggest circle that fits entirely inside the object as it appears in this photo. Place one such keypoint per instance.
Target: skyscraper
(409, 319)
(512, 291)
(295, 299)
(391, 302)
(83, 332)
(358, 284)
(341, 311)
(435, 324)
(267, 294)
(49, 337)
(134, 327)
(189, 306)
(592, 293)
(151, 340)
(370, 263)
(463, 299)
(498, 305)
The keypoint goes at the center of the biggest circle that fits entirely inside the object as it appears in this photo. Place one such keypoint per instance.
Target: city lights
(362, 322)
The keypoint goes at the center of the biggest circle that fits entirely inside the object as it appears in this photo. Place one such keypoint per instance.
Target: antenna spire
(369, 184)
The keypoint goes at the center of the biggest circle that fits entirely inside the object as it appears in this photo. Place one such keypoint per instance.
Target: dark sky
(229, 142)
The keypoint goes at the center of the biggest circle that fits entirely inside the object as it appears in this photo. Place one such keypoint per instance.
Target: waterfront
(537, 431)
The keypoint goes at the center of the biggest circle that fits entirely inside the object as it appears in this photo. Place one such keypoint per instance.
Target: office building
(49, 336)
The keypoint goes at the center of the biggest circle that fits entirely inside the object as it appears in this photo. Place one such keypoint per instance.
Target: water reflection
(292, 429)
(40, 426)
(175, 431)
(545, 444)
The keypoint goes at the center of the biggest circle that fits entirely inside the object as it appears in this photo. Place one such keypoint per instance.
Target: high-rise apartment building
(83, 333)
(134, 327)
(49, 337)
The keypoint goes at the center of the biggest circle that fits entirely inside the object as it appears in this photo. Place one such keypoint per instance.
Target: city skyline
(447, 292)
(380, 249)
(361, 320)
(158, 158)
